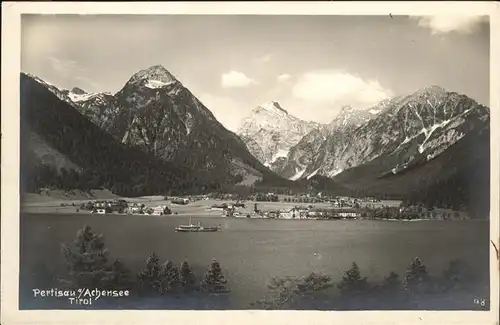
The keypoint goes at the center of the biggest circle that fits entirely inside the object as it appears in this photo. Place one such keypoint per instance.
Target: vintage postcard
(267, 162)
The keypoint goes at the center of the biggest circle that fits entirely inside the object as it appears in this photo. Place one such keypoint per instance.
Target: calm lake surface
(252, 251)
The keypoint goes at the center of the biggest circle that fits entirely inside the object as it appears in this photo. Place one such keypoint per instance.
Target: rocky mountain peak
(271, 107)
(349, 116)
(269, 132)
(432, 92)
(432, 89)
(346, 108)
(155, 74)
(78, 91)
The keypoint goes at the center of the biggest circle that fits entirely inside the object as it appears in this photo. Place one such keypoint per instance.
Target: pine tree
(87, 260)
(186, 276)
(169, 276)
(149, 277)
(391, 287)
(352, 282)
(417, 278)
(457, 275)
(314, 282)
(119, 276)
(291, 292)
(214, 281)
(392, 283)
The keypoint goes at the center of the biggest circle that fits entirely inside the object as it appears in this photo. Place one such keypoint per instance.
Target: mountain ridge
(66, 132)
(425, 118)
(395, 147)
(121, 115)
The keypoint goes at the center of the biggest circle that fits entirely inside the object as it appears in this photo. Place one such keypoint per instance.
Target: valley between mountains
(155, 137)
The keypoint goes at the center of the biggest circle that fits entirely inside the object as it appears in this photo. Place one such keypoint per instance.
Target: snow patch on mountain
(428, 133)
(189, 123)
(53, 89)
(282, 153)
(155, 84)
(438, 145)
(81, 97)
(274, 107)
(156, 73)
(336, 171)
(298, 174)
(312, 174)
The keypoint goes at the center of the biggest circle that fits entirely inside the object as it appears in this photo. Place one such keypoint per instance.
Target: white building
(134, 208)
(159, 210)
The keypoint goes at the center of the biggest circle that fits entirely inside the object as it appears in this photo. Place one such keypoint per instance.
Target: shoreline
(33, 203)
(65, 212)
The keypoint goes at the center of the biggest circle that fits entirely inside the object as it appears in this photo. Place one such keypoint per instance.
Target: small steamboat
(196, 228)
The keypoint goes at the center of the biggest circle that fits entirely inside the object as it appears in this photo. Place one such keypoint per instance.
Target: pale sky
(312, 65)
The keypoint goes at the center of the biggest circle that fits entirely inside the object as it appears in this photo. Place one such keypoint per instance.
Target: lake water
(252, 251)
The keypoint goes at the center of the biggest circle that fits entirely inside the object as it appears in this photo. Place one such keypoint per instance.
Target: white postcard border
(11, 12)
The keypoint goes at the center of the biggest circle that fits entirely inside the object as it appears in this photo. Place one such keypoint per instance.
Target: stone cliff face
(270, 132)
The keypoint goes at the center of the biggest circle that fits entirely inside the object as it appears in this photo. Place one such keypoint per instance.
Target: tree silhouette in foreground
(417, 279)
(392, 283)
(165, 278)
(391, 292)
(289, 292)
(120, 276)
(352, 283)
(458, 275)
(88, 265)
(214, 281)
(186, 276)
(169, 277)
(149, 277)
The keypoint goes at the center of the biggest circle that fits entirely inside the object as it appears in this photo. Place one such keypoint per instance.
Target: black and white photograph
(254, 162)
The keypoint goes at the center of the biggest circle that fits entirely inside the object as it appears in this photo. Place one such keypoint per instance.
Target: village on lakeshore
(257, 206)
